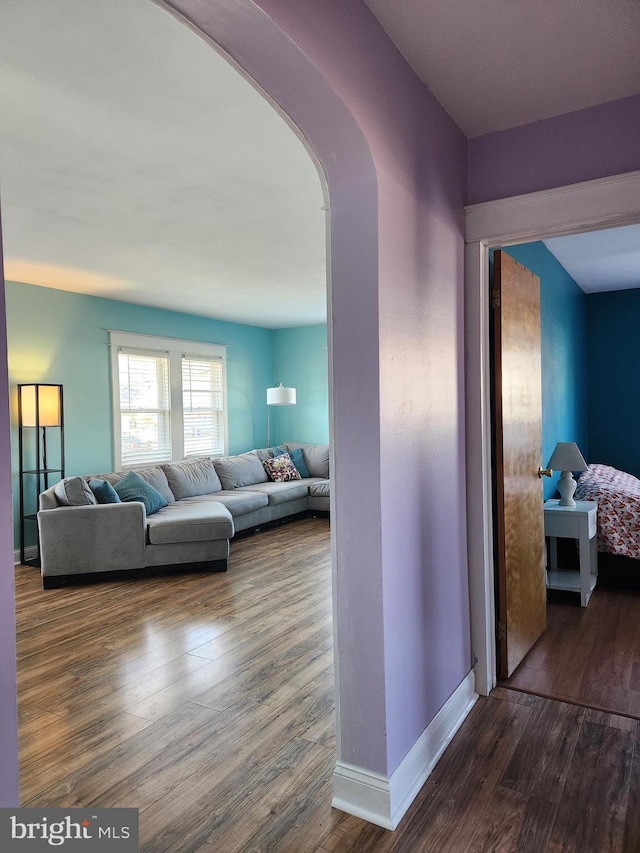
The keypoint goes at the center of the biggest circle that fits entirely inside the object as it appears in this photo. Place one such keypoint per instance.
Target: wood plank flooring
(207, 702)
(588, 655)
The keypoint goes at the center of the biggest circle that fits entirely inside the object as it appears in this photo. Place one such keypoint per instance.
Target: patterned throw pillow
(281, 469)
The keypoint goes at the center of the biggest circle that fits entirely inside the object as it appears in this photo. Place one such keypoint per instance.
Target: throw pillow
(281, 469)
(74, 491)
(133, 488)
(104, 491)
(297, 457)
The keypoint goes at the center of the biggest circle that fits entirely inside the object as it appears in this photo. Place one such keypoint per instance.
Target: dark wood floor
(207, 702)
(589, 655)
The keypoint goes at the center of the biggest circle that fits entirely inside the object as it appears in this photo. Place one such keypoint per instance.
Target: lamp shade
(41, 405)
(280, 396)
(567, 457)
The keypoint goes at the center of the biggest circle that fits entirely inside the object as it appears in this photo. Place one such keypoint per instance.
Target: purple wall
(395, 166)
(567, 149)
(9, 787)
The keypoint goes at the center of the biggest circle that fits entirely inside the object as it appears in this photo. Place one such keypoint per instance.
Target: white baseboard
(30, 553)
(383, 801)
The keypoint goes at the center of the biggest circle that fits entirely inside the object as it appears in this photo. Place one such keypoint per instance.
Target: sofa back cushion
(243, 470)
(316, 456)
(192, 477)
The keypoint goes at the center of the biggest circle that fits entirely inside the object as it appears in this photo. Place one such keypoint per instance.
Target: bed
(618, 498)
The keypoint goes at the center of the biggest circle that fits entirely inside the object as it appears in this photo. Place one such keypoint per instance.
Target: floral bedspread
(618, 498)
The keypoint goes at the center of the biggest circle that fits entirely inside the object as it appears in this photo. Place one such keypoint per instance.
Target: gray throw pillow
(192, 477)
(74, 491)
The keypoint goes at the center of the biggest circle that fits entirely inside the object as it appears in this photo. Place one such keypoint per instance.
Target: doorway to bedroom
(590, 303)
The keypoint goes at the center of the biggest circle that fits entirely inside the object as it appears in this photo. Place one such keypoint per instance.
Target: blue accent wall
(614, 379)
(300, 361)
(61, 337)
(563, 312)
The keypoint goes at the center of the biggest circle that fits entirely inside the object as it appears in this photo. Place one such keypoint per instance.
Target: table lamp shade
(567, 457)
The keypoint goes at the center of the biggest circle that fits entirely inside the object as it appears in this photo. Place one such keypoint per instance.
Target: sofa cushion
(132, 487)
(281, 469)
(74, 491)
(237, 502)
(316, 456)
(192, 477)
(104, 491)
(279, 493)
(156, 477)
(243, 470)
(320, 489)
(190, 521)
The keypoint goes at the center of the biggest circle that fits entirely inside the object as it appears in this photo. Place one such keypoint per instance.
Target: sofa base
(57, 581)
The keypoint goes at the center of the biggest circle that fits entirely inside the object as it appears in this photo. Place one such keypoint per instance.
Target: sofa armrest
(83, 539)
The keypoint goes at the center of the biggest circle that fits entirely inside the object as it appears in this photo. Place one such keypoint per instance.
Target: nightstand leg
(585, 570)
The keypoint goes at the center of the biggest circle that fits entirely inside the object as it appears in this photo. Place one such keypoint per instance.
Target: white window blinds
(169, 399)
(203, 406)
(145, 416)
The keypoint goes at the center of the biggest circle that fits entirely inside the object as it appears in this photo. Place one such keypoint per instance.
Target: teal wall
(300, 362)
(563, 310)
(60, 337)
(614, 379)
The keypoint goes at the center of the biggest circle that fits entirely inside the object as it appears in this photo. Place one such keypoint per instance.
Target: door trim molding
(575, 208)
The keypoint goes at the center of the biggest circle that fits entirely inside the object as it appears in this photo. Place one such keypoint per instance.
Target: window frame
(175, 349)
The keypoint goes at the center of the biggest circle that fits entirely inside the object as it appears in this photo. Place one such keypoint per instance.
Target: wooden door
(521, 593)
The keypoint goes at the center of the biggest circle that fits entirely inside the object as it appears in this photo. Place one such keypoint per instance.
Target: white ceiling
(136, 164)
(601, 260)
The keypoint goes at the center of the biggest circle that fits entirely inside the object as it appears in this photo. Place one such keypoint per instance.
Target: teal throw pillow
(104, 491)
(133, 488)
(297, 457)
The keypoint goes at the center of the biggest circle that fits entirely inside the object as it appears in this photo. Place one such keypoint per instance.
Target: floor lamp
(39, 410)
(278, 396)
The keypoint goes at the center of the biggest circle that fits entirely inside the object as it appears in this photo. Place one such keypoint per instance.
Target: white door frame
(603, 203)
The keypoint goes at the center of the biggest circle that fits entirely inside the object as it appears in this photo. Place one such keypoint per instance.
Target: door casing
(589, 206)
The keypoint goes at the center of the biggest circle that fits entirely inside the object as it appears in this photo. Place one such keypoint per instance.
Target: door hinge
(502, 631)
(495, 298)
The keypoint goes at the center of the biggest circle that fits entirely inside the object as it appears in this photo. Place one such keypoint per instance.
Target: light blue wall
(60, 337)
(300, 361)
(614, 379)
(564, 353)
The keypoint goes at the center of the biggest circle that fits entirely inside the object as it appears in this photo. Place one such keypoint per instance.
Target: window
(169, 399)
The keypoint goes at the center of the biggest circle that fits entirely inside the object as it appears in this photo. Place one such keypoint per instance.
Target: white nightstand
(572, 522)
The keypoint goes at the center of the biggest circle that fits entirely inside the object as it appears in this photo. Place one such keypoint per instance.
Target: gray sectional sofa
(208, 501)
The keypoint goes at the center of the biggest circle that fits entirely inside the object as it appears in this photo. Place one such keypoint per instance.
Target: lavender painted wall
(395, 166)
(9, 785)
(580, 146)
